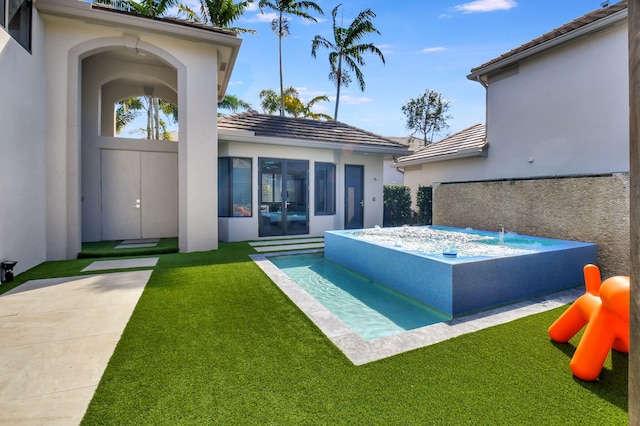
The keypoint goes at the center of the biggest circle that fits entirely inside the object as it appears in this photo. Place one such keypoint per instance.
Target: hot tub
(456, 279)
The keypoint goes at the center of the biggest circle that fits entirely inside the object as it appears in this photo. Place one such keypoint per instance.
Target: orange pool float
(604, 309)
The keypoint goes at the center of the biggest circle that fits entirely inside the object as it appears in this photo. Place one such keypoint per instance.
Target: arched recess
(125, 63)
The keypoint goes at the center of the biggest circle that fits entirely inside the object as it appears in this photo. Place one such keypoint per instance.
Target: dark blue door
(353, 197)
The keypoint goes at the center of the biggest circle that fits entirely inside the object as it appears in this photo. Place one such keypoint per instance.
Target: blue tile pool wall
(423, 279)
(463, 285)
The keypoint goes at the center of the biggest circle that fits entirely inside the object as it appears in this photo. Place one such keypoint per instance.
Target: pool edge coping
(360, 351)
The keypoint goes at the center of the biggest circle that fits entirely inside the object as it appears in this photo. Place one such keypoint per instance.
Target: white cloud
(486, 6)
(310, 94)
(263, 17)
(354, 100)
(433, 49)
(386, 49)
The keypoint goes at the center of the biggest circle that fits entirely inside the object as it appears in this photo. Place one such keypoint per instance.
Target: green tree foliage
(397, 204)
(218, 13)
(280, 25)
(424, 199)
(233, 104)
(293, 106)
(346, 51)
(427, 115)
(157, 111)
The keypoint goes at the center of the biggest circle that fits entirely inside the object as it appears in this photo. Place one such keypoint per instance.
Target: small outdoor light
(6, 271)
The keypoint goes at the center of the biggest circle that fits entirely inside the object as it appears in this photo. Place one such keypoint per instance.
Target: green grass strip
(107, 249)
(213, 341)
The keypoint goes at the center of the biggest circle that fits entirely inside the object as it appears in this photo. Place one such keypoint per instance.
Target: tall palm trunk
(150, 118)
(156, 117)
(280, 58)
(339, 79)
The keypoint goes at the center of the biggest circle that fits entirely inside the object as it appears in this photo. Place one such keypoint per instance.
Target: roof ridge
(586, 19)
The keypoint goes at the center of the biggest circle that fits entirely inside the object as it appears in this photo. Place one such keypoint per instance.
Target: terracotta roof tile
(299, 128)
(564, 29)
(471, 140)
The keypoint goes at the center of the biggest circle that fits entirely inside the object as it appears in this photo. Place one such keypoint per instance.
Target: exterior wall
(246, 228)
(588, 209)
(22, 162)
(68, 42)
(564, 112)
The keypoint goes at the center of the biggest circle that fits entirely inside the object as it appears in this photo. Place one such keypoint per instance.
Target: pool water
(368, 308)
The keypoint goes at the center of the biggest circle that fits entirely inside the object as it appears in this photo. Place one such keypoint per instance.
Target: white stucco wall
(564, 112)
(22, 160)
(246, 228)
(68, 43)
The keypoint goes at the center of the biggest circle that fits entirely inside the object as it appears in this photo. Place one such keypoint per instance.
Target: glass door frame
(284, 202)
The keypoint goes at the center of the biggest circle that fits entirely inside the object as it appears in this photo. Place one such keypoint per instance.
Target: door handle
(361, 203)
(137, 205)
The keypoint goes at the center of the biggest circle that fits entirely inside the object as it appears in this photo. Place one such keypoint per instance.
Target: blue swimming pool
(368, 308)
(461, 271)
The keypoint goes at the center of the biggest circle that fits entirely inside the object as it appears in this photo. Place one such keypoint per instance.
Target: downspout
(481, 81)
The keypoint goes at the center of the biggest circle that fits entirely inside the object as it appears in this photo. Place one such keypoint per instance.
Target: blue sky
(427, 44)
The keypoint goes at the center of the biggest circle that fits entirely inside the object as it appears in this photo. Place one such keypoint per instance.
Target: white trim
(250, 137)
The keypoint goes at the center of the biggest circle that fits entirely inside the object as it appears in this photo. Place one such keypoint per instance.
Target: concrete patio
(56, 338)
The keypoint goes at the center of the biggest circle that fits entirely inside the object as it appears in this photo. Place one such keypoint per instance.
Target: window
(16, 19)
(234, 187)
(325, 189)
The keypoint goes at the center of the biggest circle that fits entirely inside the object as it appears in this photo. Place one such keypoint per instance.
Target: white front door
(139, 194)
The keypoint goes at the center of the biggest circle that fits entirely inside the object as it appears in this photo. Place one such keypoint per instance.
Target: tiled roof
(276, 126)
(564, 29)
(171, 20)
(466, 143)
(409, 141)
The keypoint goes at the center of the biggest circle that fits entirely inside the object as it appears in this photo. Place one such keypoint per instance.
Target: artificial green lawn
(214, 341)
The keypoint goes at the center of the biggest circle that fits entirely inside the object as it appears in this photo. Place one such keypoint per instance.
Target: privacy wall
(590, 209)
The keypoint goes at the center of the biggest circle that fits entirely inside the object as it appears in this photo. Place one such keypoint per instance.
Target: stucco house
(65, 178)
(292, 176)
(556, 161)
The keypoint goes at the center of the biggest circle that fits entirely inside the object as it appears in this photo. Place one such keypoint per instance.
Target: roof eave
(85, 12)
(463, 153)
(250, 137)
(600, 24)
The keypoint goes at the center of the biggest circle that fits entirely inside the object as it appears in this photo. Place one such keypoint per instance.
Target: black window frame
(324, 181)
(226, 206)
(20, 28)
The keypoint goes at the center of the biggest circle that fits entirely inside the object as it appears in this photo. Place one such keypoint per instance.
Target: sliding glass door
(283, 197)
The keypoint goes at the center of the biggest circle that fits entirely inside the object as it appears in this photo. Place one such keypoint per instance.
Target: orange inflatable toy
(604, 308)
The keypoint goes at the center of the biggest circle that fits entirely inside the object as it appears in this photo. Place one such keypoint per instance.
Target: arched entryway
(129, 184)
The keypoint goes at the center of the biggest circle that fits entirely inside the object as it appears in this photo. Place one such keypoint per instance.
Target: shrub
(397, 205)
(424, 199)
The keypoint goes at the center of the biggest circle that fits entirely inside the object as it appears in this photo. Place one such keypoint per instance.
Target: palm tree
(346, 50)
(218, 13)
(233, 103)
(271, 103)
(153, 8)
(280, 25)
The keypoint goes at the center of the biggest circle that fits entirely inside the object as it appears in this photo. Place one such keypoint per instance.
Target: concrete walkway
(56, 338)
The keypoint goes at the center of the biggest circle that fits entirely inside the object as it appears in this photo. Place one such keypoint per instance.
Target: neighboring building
(468, 143)
(393, 175)
(558, 131)
(66, 178)
(292, 176)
